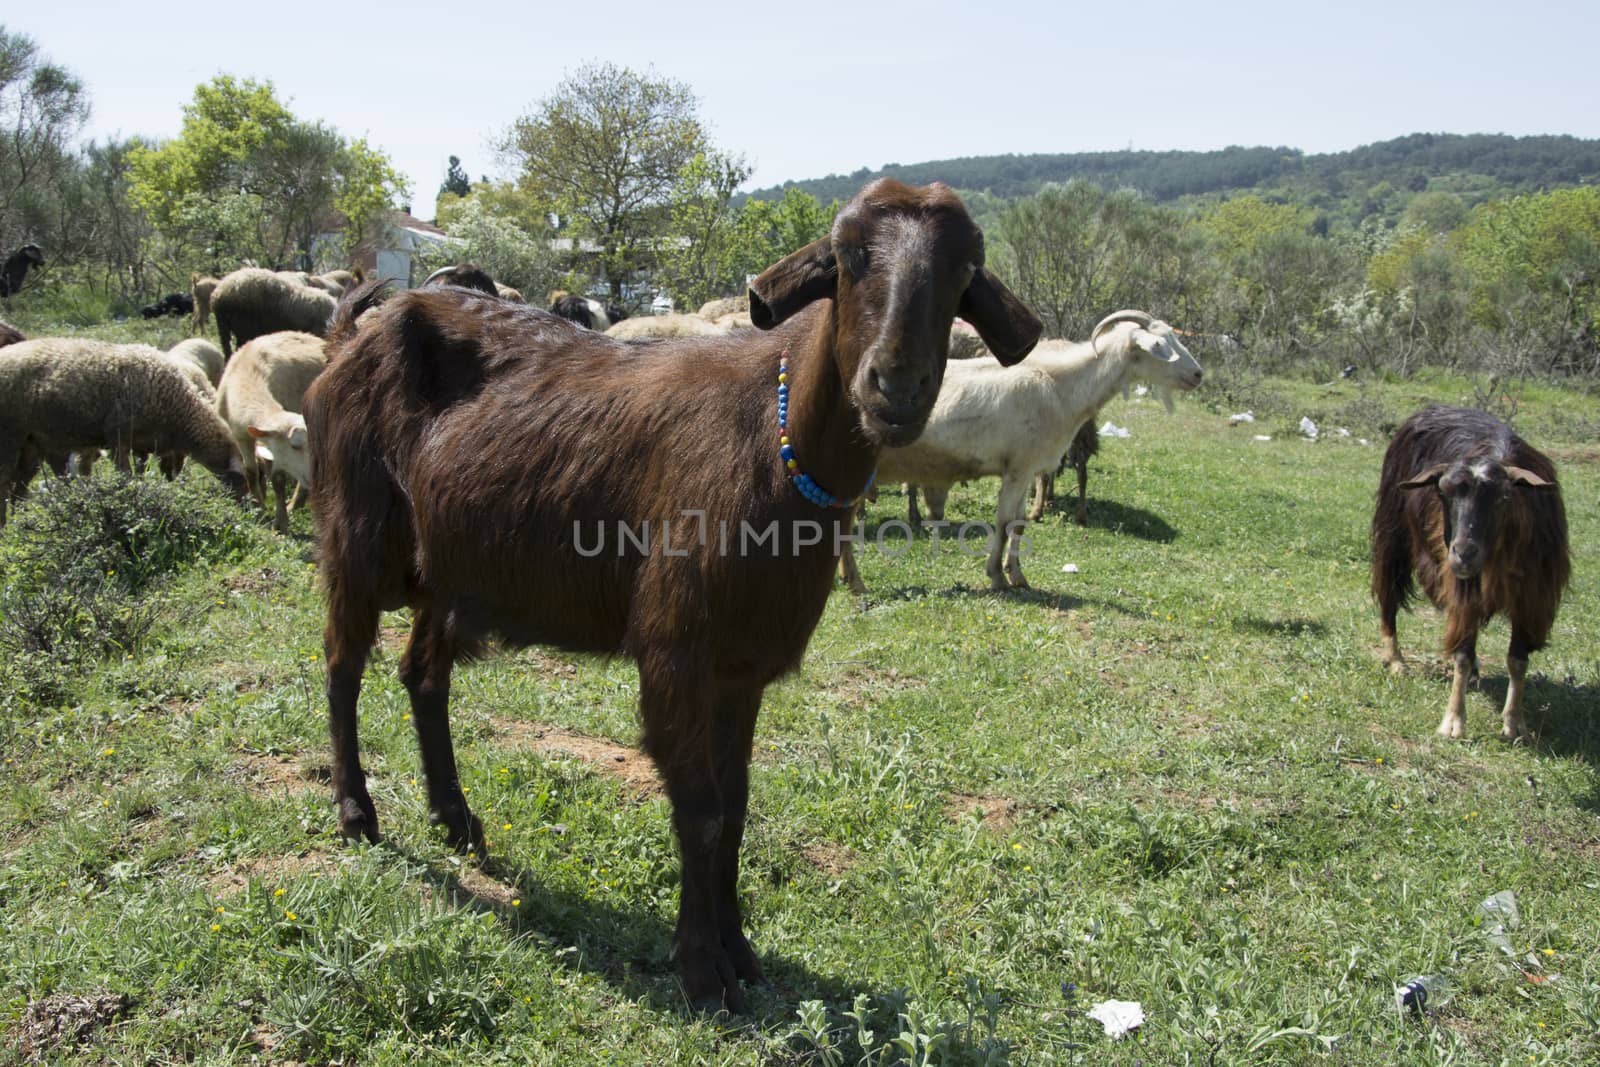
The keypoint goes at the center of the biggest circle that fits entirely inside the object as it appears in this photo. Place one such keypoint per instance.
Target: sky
(806, 90)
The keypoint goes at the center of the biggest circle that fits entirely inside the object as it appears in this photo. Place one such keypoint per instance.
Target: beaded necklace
(801, 481)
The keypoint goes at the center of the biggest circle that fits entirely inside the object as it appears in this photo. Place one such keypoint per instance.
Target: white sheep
(260, 399)
(712, 310)
(1018, 421)
(198, 352)
(65, 394)
(648, 326)
(252, 302)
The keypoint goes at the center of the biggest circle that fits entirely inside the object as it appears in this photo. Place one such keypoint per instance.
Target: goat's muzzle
(1466, 561)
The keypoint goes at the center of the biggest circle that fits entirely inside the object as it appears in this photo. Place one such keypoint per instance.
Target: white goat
(1018, 421)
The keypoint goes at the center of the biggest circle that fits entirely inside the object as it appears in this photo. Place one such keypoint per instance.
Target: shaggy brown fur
(1476, 514)
(467, 454)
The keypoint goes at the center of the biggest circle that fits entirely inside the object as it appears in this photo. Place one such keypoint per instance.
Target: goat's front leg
(677, 704)
(1454, 723)
(913, 516)
(1013, 495)
(425, 671)
(1515, 727)
(735, 729)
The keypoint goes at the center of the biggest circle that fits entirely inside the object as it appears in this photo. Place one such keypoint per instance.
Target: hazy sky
(804, 90)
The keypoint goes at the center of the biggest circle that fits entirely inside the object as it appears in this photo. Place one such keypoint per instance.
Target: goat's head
(899, 264)
(281, 441)
(1157, 355)
(1475, 494)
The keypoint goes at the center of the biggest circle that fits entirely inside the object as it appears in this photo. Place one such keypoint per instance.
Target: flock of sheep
(452, 439)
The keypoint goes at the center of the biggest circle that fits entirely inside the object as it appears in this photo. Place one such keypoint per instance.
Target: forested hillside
(1349, 186)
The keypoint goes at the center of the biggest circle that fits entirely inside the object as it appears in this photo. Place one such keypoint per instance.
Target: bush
(81, 559)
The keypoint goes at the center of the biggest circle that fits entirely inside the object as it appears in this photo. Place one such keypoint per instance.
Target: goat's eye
(854, 260)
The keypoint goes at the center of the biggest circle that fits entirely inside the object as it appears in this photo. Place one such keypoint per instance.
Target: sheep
(505, 292)
(712, 310)
(590, 314)
(201, 288)
(334, 282)
(665, 326)
(1085, 446)
(62, 394)
(1019, 422)
(252, 302)
(16, 268)
(200, 353)
(261, 397)
(465, 275)
(9, 334)
(733, 320)
(464, 449)
(1476, 513)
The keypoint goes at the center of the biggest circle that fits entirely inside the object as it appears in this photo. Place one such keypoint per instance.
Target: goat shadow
(1118, 519)
(1561, 714)
(627, 947)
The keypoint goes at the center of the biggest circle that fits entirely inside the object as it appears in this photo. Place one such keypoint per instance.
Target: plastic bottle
(1422, 993)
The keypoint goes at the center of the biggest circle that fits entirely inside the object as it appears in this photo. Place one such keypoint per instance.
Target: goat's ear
(1008, 326)
(793, 282)
(1426, 479)
(1522, 476)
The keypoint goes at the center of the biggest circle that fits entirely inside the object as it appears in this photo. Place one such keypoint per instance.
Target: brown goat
(467, 453)
(1476, 512)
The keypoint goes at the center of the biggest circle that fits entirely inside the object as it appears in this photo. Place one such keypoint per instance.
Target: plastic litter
(1111, 429)
(1422, 993)
(1262, 437)
(1307, 427)
(1500, 915)
(1069, 568)
(1141, 390)
(1117, 1016)
(1341, 432)
(1243, 416)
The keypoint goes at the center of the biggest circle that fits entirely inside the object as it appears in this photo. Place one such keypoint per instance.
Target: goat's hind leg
(347, 641)
(425, 671)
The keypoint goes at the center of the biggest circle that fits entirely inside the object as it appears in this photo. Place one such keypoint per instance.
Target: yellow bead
(783, 379)
(793, 465)
(783, 440)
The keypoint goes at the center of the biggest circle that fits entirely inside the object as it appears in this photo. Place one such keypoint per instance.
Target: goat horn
(1143, 318)
(441, 272)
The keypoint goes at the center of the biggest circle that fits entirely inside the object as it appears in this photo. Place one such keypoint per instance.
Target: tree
(607, 150)
(42, 106)
(494, 228)
(245, 179)
(455, 179)
(701, 257)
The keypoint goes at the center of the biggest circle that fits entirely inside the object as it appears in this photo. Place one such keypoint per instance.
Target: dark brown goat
(16, 267)
(493, 467)
(1476, 512)
(465, 275)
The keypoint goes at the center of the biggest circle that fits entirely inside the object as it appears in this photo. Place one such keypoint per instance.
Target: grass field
(1178, 776)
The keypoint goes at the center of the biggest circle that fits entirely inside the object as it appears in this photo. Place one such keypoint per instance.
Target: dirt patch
(1074, 620)
(277, 774)
(832, 859)
(269, 870)
(1574, 453)
(856, 680)
(263, 581)
(630, 766)
(485, 889)
(998, 814)
(66, 1021)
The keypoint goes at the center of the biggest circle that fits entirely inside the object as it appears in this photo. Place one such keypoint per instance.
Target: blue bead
(786, 452)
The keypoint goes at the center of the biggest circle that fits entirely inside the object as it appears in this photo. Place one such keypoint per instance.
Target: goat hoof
(743, 958)
(1018, 582)
(710, 982)
(463, 830)
(1517, 734)
(1397, 667)
(358, 818)
(1451, 729)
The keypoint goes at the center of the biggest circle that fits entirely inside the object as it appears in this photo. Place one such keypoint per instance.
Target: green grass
(1178, 776)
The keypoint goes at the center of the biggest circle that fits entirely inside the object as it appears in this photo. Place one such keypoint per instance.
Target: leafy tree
(489, 232)
(607, 150)
(42, 107)
(702, 257)
(247, 180)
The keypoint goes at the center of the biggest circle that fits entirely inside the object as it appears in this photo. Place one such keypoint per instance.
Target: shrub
(81, 560)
